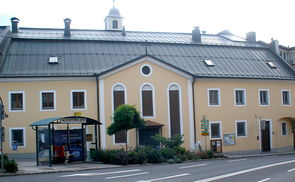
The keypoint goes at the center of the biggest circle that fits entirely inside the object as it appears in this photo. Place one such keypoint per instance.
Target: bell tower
(114, 21)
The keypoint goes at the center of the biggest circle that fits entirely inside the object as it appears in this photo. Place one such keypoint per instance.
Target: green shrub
(209, 154)
(168, 153)
(175, 141)
(96, 155)
(5, 158)
(11, 166)
(153, 155)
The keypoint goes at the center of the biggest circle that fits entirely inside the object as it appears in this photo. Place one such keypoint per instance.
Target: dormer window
(115, 24)
(53, 60)
(208, 62)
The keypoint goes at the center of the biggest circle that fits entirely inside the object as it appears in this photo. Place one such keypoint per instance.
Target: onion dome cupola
(114, 21)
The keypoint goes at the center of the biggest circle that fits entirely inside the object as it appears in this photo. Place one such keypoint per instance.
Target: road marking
(99, 174)
(168, 177)
(236, 160)
(198, 165)
(267, 157)
(244, 171)
(266, 179)
(127, 175)
(290, 170)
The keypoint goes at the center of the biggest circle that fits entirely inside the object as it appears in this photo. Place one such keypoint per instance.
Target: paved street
(257, 169)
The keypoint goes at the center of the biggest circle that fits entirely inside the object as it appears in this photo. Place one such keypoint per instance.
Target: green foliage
(175, 141)
(209, 154)
(168, 153)
(125, 117)
(10, 166)
(5, 158)
(153, 155)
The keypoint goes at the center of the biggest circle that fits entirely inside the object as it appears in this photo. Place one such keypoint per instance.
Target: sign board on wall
(229, 139)
(73, 120)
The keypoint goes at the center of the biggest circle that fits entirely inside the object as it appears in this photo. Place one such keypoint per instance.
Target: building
(242, 86)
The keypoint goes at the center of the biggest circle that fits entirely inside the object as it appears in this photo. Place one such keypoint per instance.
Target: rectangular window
(284, 128)
(214, 97)
(17, 136)
(286, 97)
(241, 128)
(78, 99)
(263, 97)
(147, 103)
(215, 129)
(47, 100)
(240, 97)
(16, 101)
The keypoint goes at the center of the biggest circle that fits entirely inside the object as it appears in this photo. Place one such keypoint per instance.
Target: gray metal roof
(29, 57)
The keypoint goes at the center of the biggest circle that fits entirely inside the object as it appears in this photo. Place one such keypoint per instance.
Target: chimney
(251, 37)
(67, 31)
(275, 45)
(14, 24)
(123, 31)
(196, 35)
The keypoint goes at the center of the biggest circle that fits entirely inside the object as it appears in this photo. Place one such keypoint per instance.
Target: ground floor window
(215, 129)
(17, 136)
(241, 128)
(284, 128)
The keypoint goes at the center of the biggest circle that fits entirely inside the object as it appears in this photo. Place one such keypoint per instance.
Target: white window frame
(290, 97)
(282, 128)
(54, 100)
(85, 100)
(10, 104)
(246, 128)
(180, 106)
(151, 70)
(154, 100)
(24, 136)
(220, 124)
(268, 97)
(245, 97)
(208, 96)
(113, 109)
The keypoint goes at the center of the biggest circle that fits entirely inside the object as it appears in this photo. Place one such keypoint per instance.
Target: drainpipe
(194, 112)
(98, 116)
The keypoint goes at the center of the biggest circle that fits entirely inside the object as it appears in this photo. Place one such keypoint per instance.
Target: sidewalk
(28, 166)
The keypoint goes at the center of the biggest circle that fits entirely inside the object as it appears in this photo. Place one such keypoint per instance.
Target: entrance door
(145, 137)
(265, 136)
(294, 139)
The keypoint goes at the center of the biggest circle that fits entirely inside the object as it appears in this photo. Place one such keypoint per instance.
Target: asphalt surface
(257, 169)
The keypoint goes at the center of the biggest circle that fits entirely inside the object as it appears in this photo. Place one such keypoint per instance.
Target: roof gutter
(194, 111)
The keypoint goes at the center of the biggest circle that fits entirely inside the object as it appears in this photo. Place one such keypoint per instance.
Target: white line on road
(98, 174)
(127, 175)
(198, 165)
(236, 160)
(266, 179)
(244, 171)
(168, 177)
(290, 170)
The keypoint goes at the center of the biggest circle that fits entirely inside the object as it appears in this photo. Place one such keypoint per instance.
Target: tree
(125, 117)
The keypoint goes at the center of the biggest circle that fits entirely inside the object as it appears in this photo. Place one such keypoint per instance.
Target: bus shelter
(55, 136)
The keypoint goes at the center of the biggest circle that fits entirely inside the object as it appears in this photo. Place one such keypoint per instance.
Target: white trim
(10, 136)
(151, 70)
(191, 114)
(268, 97)
(220, 124)
(38, 79)
(54, 100)
(245, 97)
(208, 97)
(282, 128)
(85, 99)
(9, 101)
(152, 60)
(102, 114)
(154, 100)
(180, 107)
(290, 97)
(125, 99)
(270, 132)
(246, 128)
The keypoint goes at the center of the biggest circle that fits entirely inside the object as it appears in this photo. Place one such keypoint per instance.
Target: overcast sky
(268, 18)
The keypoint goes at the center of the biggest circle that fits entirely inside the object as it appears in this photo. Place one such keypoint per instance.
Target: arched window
(147, 104)
(174, 110)
(119, 99)
(115, 24)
